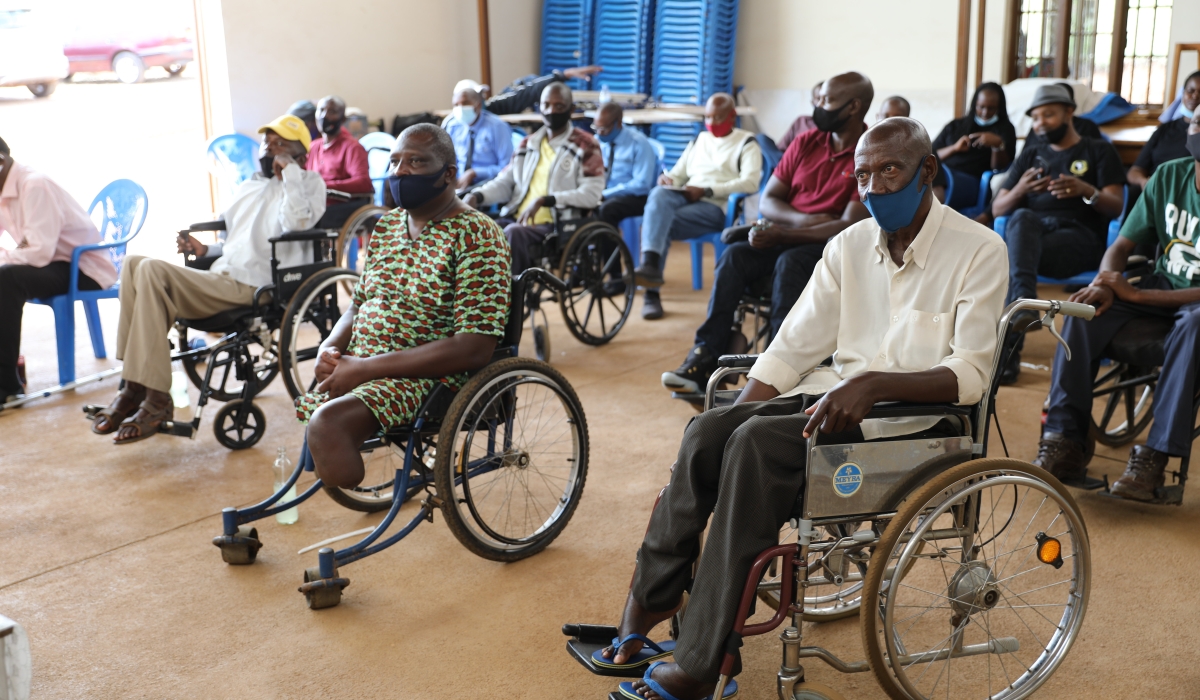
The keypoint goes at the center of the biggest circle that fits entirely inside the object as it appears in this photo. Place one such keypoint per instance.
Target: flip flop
(656, 650)
(627, 690)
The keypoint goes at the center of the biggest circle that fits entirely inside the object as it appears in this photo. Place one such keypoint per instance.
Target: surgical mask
(465, 115)
(414, 191)
(1056, 134)
(267, 163)
(1185, 113)
(556, 120)
(610, 136)
(987, 122)
(896, 210)
(829, 120)
(1193, 145)
(722, 129)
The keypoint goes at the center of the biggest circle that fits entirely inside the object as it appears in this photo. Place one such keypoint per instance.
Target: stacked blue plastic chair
(119, 212)
(567, 36)
(622, 43)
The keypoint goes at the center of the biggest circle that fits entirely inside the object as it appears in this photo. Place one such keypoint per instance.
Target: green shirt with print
(1168, 214)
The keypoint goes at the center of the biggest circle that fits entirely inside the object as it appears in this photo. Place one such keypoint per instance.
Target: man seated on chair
(46, 225)
(482, 141)
(690, 200)
(1167, 215)
(1059, 196)
(630, 164)
(907, 303)
(557, 167)
(804, 122)
(811, 197)
(1083, 126)
(283, 197)
(307, 111)
(341, 162)
(430, 307)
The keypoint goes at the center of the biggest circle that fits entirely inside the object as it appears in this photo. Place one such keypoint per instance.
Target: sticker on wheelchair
(847, 479)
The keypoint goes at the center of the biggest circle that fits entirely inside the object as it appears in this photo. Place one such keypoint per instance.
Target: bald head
(559, 90)
(721, 104)
(608, 119)
(852, 89)
(331, 114)
(894, 106)
(890, 154)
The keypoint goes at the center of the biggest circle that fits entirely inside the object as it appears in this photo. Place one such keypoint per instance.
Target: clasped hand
(1104, 290)
(842, 407)
(336, 372)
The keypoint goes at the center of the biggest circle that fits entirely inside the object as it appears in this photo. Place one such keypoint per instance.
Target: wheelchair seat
(1140, 342)
(224, 322)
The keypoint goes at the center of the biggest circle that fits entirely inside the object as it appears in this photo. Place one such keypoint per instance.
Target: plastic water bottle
(605, 95)
(283, 472)
(179, 394)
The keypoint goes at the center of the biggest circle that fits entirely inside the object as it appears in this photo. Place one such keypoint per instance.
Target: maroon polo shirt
(820, 181)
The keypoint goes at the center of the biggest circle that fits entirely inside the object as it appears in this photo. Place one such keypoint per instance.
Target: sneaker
(652, 309)
(1066, 459)
(1143, 474)
(648, 276)
(692, 376)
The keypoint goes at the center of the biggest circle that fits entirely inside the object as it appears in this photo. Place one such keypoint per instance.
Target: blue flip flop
(627, 690)
(651, 651)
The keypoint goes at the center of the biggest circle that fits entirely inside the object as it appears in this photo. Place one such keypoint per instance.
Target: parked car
(127, 50)
(31, 54)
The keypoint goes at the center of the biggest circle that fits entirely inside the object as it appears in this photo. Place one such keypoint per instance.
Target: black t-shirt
(1084, 127)
(1094, 161)
(975, 161)
(1168, 142)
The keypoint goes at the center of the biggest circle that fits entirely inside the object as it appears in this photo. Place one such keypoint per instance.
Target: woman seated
(981, 141)
(1168, 142)
(431, 305)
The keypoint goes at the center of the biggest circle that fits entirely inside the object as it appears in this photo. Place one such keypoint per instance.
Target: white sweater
(732, 163)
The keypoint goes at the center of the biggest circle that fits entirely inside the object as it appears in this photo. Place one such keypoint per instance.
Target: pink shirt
(48, 224)
(342, 163)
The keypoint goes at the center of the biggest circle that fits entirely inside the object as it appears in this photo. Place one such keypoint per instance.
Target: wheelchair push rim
(994, 622)
(512, 459)
(596, 255)
(308, 320)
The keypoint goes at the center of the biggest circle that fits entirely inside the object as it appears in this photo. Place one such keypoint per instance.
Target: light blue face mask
(466, 115)
(987, 122)
(1185, 113)
(895, 210)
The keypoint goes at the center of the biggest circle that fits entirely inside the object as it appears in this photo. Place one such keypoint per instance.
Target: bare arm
(1137, 176)
(846, 404)
(818, 232)
(440, 358)
(775, 206)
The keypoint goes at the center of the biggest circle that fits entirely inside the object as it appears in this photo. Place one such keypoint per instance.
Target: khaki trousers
(153, 294)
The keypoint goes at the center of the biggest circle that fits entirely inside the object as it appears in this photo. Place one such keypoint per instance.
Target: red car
(101, 49)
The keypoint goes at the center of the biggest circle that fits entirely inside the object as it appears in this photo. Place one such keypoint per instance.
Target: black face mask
(267, 163)
(1056, 134)
(556, 120)
(829, 120)
(330, 127)
(1193, 145)
(414, 191)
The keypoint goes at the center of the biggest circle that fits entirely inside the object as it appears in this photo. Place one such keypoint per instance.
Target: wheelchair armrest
(338, 195)
(217, 225)
(902, 409)
(312, 234)
(736, 361)
(199, 263)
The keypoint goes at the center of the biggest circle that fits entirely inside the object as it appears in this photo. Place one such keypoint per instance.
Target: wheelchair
(278, 334)
(505, 460)
(970, 575)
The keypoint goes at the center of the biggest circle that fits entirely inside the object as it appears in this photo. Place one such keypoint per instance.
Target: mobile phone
(1040, 162)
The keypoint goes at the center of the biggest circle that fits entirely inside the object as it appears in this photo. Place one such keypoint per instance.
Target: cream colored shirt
(941, 308)
(732, 163)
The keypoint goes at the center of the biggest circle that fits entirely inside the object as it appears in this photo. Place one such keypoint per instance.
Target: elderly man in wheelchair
(908, 305)
(283, 197)
(1156, 310)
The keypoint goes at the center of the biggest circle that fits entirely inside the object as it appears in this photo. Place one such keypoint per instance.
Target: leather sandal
(126, 402)
(147, 419)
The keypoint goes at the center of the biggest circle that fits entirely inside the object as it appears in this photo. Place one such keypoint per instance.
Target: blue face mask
(987, 122)
(896, 210)
(610, 136)
(1185, 113)
(413, 191)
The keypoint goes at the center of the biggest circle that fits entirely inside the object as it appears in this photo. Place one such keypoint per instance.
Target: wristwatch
(1095, 193)
(708, 192)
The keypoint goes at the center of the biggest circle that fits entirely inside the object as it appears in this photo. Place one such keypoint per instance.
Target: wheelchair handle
(215, 225)
(1085, 311)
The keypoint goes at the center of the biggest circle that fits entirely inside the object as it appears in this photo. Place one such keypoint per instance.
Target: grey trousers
(743, 464)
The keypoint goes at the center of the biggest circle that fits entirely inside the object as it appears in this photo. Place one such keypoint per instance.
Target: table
(1129, 136)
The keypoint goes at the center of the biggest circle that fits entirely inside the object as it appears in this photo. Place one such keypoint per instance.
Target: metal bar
(485, 44)
(979, 34)
(1062, 55)
(1001, 645)
(43, 393)
(829, 658)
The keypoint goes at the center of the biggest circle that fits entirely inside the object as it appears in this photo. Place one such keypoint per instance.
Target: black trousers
(614, 209)
(19, 284)
(1049, 246)
(744, 466)
(741, 266)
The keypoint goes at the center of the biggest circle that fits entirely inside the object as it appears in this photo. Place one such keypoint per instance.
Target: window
(1111, 45)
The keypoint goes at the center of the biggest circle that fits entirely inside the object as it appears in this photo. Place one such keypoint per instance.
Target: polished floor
(106, 557)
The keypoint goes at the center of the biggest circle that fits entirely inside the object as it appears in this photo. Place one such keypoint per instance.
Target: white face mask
(466, 115)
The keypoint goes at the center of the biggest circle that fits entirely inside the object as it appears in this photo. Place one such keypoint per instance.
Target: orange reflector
(1049, 550)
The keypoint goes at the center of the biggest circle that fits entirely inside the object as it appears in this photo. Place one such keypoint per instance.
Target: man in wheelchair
(907, 303)
(283, 197)
(430, 307)
(1166, 214)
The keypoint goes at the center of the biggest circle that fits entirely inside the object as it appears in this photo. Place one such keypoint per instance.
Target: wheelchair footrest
(1164, 496)
(587, 640)
(91, 410)
(170, 427)
(1088, 483)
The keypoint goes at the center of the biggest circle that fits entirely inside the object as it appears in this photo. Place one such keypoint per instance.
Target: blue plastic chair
(966, 194)
(379, 146)
(233, 158)
(631, 227)
(1083, 278)
(119, 212)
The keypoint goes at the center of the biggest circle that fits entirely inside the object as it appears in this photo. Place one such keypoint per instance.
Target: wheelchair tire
(239, 424)
(595, 256)
(308, 320)
(488, 411)
(374, 494)
(266, 365)
(352, 240)
(974, 600)
(1112, 416)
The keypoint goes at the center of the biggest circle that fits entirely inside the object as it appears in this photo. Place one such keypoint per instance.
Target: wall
(386, 57)
(1185, 29)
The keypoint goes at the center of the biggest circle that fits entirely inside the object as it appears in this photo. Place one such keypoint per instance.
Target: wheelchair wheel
(380, 462)
(308, 320)
(239, 424)
(596, 256)
(827, 600)
(226, 385)
(512, 459)
(981, 579)
(1120, 414)
(353, 239)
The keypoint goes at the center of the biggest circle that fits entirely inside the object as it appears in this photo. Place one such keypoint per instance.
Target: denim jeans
(669, 216)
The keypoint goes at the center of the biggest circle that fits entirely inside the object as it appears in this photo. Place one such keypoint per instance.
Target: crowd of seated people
(981, 141)
(1169, 141)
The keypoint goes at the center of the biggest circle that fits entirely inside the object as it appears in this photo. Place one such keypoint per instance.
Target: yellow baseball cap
(289, 127)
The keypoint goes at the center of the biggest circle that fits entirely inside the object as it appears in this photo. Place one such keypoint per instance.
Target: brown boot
(1066, 459)
(1143, 474)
